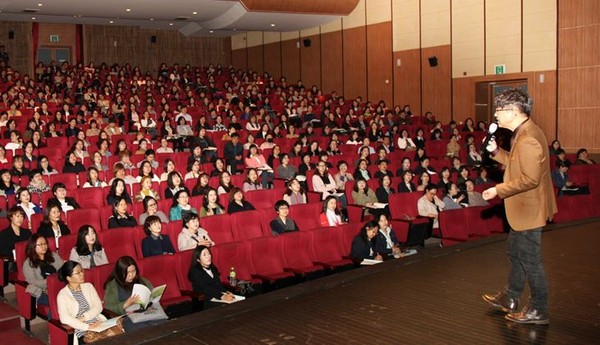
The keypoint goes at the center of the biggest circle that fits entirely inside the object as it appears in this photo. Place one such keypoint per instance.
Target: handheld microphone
(490, 136)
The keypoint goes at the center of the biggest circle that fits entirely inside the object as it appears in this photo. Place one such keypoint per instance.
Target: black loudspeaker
(152, 39)
(11, 35)
(307, 43)
(433, 61)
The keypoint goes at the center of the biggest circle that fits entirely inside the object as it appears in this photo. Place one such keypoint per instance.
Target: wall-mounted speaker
(433, 61)
(307, 42)
(11, 35)
(152, 39)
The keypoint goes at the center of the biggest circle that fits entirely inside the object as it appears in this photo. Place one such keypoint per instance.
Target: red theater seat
(297, 255)
(267, 260)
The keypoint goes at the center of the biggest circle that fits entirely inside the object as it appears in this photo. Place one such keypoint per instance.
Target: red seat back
(266, 255)
(89, 197)
(90, 216)
(233, 254)
(246, 225)
(306, 216)
(117, 243)
(152, 268)
(218, 227)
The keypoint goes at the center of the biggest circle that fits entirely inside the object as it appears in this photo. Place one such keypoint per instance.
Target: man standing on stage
(529, 202)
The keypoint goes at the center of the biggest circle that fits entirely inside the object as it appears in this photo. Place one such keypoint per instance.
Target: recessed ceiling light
(128, 9)
(170, 24)
(194, 12)
(211, 31)
(233, 29)
(272, 25)
(151, 19)
(40, 5)
(32, 18)
(111, 21)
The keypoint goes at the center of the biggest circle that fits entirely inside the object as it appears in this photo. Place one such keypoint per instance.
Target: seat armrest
(194, 295)
(66, 328)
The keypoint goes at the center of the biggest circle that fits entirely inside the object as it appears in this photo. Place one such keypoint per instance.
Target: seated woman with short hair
(192, 235)
(155, 243)
(79, 305)
(282, 223)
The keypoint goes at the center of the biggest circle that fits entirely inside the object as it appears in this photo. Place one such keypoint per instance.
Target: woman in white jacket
(79, 305)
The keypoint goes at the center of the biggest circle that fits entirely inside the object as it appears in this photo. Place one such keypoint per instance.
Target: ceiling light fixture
(272, 25)
(128, 10)
(151, 19)
(194, 12)
(32, 18)
(170, 24)
(40, 5)
(211, 31)
(111, 21)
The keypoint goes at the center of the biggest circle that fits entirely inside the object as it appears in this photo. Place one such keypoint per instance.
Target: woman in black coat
(205, 279)
(363, 245)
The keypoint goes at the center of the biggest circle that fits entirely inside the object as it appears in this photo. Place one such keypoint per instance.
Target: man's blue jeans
(526, 265)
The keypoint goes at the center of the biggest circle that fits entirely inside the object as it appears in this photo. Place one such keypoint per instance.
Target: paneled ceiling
(190, 17)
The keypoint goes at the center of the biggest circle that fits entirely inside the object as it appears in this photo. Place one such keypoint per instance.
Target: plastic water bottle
(232, 277)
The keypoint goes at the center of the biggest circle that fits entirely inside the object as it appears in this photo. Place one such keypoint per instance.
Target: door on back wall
(485, 93)
(58, 54)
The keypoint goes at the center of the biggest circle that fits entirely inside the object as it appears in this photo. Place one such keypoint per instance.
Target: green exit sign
(499, 69)
(53, 38)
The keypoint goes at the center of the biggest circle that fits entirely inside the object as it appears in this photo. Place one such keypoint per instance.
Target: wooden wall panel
(331, 56)
(407, 79)
(272, 56)
(579, 74)
(133, 45)
(544, 101)
(379, 62)
(19, 49)
(256, 58)
(463, 98)
(437, 82)
(290, 61)
(310, 59)
(239, 59)
(226, 52)
(574, 13)
(355, 62)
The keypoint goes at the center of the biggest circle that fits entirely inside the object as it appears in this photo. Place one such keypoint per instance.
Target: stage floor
(429, 298)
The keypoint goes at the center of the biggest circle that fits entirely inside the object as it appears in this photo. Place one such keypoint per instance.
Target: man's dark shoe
(502, 301)
(529, 316)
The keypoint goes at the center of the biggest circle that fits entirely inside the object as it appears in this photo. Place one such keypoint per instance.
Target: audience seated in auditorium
(61, 199)
(285, 170)
(39, 264)
(24, 202)
(237, 201)
(118, 190)
(482, 177)
(79, 305)
(363, 245)
(52, 226)
(583, 157)
(385, 189)
(224, 183)
(181, 206)
(174, 185)
(330, 216)
(88, 251)
(14, 233)
(205, 278)
(386, 242)
(429, 205)
(474, 197)
(555, 147)
(155, 243)
(294, 194)
(282, 223)
(120, 218)
(453, 199)
(560, 177)
(257, 161)
(201, 187)
(211, 205)
(251, 183)
(151, 209)
(146, 190)
(192, 235)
